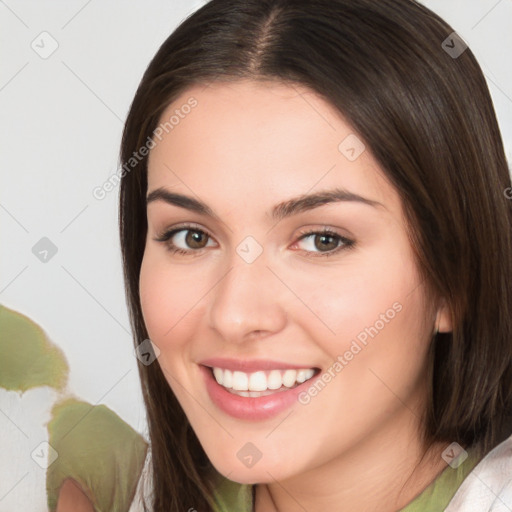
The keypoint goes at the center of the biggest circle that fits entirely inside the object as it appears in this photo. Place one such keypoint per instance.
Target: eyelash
(167, 235)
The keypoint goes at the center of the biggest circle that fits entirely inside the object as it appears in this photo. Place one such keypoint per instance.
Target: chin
(262, 471)
(248, 476)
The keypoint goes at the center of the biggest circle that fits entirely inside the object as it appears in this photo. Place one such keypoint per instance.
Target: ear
(443, 322)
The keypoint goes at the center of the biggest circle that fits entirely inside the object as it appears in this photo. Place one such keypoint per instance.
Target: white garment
(143, 492)
(488, 487)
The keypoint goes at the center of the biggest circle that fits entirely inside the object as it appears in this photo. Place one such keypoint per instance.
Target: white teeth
(240, 381)
(301, 375)
(244, 383)
(274, 380)
(218, 373)
(289, 378)
(227, 378)
(304, 375)
(258, 381)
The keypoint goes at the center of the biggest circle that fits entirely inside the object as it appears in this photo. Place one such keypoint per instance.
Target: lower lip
(250, 408)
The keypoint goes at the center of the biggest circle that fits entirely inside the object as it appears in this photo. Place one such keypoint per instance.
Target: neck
(384, 472)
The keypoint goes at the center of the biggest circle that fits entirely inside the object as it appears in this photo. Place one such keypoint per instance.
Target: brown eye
(185, 240)
(196, 239)
(323, 243)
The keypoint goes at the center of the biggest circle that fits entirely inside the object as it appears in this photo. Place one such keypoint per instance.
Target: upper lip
(251, 365)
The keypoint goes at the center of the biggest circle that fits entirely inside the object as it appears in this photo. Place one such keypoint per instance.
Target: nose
(248, 302)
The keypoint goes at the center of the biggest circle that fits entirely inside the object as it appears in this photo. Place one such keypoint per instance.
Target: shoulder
(488, 487)
(228, 495)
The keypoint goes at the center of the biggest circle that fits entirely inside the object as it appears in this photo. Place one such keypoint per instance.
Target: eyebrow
(280, 211)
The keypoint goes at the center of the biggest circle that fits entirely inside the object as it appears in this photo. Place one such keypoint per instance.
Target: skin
(245, 147)
(72, 498)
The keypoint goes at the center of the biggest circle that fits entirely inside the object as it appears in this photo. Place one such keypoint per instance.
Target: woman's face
(264, 297)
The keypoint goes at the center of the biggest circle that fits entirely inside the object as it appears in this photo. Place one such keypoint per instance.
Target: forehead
(265, 139)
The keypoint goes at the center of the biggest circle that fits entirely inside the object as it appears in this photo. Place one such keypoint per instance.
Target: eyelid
(347, 243)
(169, 232)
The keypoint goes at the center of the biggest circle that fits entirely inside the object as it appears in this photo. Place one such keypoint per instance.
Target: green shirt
(235, 497)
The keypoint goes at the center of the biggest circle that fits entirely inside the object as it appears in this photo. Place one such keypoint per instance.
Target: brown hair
(428, 119)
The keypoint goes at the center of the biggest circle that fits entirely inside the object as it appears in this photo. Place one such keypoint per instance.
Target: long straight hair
(426, 114)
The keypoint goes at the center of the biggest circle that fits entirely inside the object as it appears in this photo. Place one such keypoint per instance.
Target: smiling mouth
(261, 383)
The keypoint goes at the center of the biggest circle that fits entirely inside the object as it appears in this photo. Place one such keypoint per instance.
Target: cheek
(377, 290)
(380, 339)
(150, 292)
(158, 298)
(170, 299)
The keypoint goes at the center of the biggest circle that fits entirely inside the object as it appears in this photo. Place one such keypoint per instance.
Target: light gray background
(61, 122)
